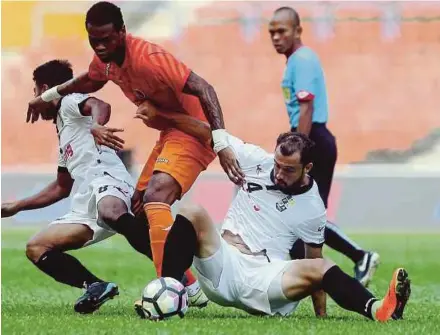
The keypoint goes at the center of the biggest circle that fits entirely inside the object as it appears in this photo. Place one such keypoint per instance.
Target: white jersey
(266, 218)
(77, 149)
(98, 171)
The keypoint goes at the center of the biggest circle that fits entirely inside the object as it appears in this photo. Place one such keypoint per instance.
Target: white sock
(193, 289)
(375, 307)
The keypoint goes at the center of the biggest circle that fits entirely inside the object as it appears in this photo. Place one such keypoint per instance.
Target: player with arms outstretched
(147, 73)
(99, 208)
(246, 265)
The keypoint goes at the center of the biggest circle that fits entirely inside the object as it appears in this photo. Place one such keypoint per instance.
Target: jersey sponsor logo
(162, 160)
(68, 152)
(284, 203)
(107, 69)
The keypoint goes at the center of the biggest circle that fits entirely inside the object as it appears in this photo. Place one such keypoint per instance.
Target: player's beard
(296, 186)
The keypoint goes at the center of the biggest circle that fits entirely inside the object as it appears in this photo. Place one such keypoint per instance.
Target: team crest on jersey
(139, 94)
(259, 169)
(284, 203)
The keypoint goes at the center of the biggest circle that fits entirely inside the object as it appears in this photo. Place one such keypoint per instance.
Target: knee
(110, 209)
(192, 211)
(196, 214)
(35, 249)
(318, 269)
(162, 188)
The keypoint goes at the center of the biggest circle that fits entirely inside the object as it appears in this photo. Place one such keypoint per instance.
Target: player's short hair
(293, 13)
(292, 142)
(102, 13)
(52, 73)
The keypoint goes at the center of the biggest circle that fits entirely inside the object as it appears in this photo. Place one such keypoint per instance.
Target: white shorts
(251, 283)
(84, 206)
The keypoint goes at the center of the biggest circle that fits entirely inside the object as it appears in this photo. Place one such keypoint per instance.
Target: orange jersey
(150, 73)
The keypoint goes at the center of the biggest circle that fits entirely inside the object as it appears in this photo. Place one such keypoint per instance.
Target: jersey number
(103, 189)
(252, 187)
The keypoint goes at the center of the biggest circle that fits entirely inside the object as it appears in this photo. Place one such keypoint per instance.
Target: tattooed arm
(199, 87)
(181, 79)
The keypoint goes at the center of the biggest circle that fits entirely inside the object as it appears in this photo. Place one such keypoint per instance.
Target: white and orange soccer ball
(163, 298)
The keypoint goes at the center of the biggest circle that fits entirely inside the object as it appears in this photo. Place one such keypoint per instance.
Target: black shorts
(325, 155)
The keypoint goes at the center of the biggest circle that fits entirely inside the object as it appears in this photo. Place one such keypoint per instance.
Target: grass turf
(33, 303)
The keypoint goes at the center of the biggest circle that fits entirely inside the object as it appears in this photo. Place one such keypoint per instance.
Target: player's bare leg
(47, 251)
(305, 276)
(114, 212)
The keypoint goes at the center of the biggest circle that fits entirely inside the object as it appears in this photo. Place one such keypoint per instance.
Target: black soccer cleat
(364, 269)
(96, 294)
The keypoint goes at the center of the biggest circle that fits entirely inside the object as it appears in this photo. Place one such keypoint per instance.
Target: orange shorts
(179, 155)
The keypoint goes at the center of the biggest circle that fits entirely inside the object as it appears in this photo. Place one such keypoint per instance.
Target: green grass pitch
(33, 303)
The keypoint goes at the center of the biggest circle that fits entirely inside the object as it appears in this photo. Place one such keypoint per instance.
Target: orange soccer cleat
(394, 302)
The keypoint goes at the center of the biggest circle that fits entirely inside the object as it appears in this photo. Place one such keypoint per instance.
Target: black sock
(336, 239)
(180, 248)
(136, 231)
(347, 292)
(297, 251)
(65, 269)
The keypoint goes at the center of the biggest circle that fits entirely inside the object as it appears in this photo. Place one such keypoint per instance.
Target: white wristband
(220, 139)
(51, 94)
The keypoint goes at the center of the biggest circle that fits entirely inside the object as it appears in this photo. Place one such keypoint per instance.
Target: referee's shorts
(325, 156)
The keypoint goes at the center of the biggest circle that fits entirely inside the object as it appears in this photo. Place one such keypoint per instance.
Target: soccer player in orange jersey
(146, 72)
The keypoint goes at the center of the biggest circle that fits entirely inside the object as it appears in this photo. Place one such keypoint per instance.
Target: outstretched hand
(9, 209)
(35, 107)
(230, 165)
(106, 136)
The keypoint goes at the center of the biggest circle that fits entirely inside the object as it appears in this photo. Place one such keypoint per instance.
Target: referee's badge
(286, 94)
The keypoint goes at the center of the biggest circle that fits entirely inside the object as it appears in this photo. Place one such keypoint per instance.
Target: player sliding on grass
(101, 205)
(146, 72)
(245, 264)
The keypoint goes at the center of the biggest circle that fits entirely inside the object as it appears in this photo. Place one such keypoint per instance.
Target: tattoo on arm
(199, 87)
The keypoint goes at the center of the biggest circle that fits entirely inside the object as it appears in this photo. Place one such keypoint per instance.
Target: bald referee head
(285, 30)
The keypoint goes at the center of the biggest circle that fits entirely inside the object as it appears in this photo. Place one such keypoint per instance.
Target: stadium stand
(373, 104)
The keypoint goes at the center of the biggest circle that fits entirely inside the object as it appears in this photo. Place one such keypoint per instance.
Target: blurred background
(381, 61)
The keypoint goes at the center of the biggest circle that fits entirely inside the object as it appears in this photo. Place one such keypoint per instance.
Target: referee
(305, 96)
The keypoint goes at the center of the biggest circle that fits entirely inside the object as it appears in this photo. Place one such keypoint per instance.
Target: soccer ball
(163, 298)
